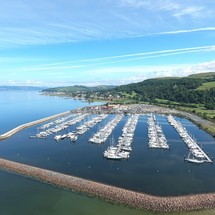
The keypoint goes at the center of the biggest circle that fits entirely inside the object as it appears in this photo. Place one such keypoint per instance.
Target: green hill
(78, 88)
(197, 89)
(207, 75)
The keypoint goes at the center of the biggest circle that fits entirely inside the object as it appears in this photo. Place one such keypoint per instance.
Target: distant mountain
(79, 88)
(10, 88)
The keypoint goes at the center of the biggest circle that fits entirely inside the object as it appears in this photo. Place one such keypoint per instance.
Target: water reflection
(154, 171)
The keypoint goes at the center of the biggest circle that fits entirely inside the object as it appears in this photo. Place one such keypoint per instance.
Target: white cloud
(22, 83)
(195, 12)
(176, 8)
(117, 75)
(143, 73)
(51, 22)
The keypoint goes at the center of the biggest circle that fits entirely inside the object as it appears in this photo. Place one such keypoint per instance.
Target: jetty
(81, 129)
(196, 155)
(61, 125)
(157, 139)
(30, 124)
(90, 123)
(103, 133)
(123, 148)
(111, 193)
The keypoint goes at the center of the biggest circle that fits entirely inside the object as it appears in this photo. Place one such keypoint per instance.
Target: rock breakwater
(111, 193)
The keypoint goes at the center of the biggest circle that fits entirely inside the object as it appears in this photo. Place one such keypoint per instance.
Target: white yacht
(57, 137)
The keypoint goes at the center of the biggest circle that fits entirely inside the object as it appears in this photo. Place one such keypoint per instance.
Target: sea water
(157, 172)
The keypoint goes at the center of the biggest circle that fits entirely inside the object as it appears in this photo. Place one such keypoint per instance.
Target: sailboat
(192, 159)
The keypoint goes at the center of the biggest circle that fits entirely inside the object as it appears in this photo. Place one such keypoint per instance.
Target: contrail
(119, 58)
(183, 31)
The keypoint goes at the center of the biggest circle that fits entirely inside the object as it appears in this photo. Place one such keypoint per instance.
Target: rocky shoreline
(111, 193)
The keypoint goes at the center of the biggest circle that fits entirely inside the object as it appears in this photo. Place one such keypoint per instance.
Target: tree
(210, 106)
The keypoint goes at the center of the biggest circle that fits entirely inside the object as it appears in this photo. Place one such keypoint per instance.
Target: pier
(61, 124)
(157, 140)
(82, 128)
(111, 193)
(123, 148)
(30, 124)
(103, 133)
(198, 155)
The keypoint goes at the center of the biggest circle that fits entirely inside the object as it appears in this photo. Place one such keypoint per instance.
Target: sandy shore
(111, 193)
(27, 125)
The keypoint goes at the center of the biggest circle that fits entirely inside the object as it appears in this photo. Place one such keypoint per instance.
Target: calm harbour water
(152, 171)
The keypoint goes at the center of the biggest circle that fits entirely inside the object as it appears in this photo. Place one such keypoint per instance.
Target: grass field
(207, 86)
(207, 114)
(128, 95)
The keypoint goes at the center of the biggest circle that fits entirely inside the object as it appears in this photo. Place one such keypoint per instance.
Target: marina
(155, 172)
(80, 130)
(196, 154)
(91, 123)
(107, 107)
(59, 125)
(123, 148)
(30, 124)
(156, 137)
(103, 133)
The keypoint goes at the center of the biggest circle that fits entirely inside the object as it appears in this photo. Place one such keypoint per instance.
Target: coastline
(205, 124)
(201, 123)
(111, 193)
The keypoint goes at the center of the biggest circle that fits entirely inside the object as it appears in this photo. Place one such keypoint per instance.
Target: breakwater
(111, 193)
(29, 124)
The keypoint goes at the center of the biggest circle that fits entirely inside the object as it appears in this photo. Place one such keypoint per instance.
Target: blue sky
(92, 42)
